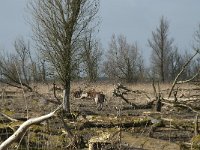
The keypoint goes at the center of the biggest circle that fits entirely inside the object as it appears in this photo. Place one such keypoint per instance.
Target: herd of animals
(98, 97)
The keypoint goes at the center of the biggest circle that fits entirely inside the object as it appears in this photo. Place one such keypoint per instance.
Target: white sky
(136, 19)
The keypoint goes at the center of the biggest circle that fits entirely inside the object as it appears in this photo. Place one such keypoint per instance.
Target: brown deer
(98, 97)
(78, 93)
(99, 100)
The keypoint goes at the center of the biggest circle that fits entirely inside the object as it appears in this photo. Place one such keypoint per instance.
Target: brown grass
(38, 105)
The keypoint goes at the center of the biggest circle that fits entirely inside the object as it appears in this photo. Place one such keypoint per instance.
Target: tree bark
(66, 97)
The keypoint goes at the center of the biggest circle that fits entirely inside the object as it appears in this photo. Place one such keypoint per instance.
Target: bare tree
(175, 64)
(91, 56)
(162, 47)
(191, 67)
(59, 26)
(15, 68)
(196, 47)
(43, 70)
(38, 70)
(23, 52)
(197, 38)
(122, 60)
(182, 70)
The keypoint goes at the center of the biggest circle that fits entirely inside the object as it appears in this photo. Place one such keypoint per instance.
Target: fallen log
(149, 105)
(129, 124)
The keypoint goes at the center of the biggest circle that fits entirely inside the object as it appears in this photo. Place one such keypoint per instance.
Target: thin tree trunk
(66, 97)
(162, 69)
(163, 78)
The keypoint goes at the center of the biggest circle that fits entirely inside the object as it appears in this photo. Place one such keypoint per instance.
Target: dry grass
(38, 106)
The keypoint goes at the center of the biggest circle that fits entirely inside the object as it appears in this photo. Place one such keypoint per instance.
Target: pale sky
(136, 19)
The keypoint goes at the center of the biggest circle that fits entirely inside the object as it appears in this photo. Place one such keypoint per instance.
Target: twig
(8, 117)
(186, 81)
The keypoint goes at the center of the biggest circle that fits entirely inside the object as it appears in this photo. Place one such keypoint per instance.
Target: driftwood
(24, 126)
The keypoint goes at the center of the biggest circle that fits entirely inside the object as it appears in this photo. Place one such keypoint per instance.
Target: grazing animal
(99, 100)
(92, 93)
(98, 97)
(84, 95)
(77, 94)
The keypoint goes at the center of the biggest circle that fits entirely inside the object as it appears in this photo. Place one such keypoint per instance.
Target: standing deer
(99, 100)
(78, 93)
(98, 97)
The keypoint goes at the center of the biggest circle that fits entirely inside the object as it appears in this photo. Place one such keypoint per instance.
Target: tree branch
(24, 126)
(179, 74)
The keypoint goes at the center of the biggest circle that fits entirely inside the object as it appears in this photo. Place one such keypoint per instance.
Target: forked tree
(59, 26)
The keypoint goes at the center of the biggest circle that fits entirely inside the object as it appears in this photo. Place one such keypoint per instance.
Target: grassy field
(117, 119)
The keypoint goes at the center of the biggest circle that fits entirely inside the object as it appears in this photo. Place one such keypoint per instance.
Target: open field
(118, 125)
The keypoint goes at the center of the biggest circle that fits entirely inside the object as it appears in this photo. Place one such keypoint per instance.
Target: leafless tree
(188, 70)
(43, 70)
(122, 60)
(91, 56)
(197, 38)
(23, 52)
(196, 47)
(15, 68)
(58, 28)
(175, 64)
(191, 68)
(161, 46)
(39, 69)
